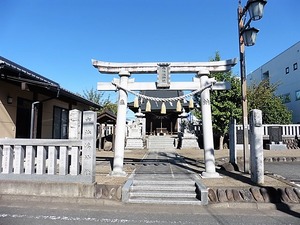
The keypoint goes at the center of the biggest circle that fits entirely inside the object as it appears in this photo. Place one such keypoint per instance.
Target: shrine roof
(106, 117)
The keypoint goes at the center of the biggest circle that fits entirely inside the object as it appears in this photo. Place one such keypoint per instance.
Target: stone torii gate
(201, 83)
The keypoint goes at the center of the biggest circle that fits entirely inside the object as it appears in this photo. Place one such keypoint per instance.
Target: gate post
(232, 141)
(89, 146)
(209, 157)
(75, 124)
(256, 147)
(121, 126)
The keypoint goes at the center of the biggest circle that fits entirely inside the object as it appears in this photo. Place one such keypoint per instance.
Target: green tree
(225, 104)
(262, 96)
(97, 97)
(228, 104)
(108, 105)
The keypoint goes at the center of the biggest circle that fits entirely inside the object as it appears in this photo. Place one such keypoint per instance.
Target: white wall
(289, 83)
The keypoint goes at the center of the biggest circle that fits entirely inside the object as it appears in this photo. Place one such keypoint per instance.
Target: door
(23, 118)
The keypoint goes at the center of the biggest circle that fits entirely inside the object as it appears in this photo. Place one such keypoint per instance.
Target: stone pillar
(144, 127)
(29, 163)
(52, 160)
(256, 147)
(232, 141)
(141, 122)
(8, 158)
(89, 130)
(41, 160)
(75, 120)
(19, 159)
(209, 157)
(75, 124)
(121, 127)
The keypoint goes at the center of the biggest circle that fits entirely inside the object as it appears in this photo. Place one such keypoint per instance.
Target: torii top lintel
(175, 67)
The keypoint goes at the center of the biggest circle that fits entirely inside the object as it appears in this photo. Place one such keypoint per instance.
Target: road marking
(92, 219)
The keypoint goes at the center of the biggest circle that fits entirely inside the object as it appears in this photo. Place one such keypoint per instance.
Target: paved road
(289, 170)
(67, 214)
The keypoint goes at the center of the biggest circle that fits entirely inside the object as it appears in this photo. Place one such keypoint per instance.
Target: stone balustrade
(52, 160)
(288, 130)
(287, 133)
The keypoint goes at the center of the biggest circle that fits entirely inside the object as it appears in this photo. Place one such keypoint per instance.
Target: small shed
(106, 136)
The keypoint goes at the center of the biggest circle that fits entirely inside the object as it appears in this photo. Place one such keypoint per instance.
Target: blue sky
(58, 38)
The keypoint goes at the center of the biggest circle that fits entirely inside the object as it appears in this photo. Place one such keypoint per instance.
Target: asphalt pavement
(288, 170)
(66, 214)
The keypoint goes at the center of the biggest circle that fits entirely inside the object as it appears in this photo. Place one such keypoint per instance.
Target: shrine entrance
(158, 123)
(200, 84)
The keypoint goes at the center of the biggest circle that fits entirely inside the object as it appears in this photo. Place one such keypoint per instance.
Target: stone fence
(287, 134)
(52, 160)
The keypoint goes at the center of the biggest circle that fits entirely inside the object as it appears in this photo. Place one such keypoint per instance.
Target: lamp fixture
(249, 36)
(256, 9)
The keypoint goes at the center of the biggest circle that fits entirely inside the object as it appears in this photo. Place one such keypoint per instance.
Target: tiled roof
(23, 74)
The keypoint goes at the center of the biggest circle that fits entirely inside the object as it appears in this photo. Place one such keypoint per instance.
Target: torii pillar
(209, 156)
(120, 128)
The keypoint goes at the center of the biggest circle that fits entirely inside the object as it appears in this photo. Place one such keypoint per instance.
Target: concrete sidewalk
(193, 161)
(232, 189)
(220, 189)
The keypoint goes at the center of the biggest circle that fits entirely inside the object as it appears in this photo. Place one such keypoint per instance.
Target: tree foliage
(228, 104)
(98, 98)
(225, 104)
(262, 96)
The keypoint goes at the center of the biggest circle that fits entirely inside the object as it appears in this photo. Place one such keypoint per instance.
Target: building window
(286, 98)
(295, 66)
(60, 123)
(287, 70)
(266, 77)
(298, 95)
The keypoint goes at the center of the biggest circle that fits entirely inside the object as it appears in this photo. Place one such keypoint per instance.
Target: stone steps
(161, 142)
(167, 191)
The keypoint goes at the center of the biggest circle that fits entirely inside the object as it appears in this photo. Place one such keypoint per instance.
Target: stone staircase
(163, 191)
(162, 177)
(161, 142)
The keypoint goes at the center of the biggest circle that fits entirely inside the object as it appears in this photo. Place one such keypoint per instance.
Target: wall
(8, 111)
(288, 82)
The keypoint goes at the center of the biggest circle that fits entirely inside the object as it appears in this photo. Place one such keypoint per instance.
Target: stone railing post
(19, 159)
(30, 156)
(256, 147)
(7, 159)
(75, 124)
(89, 145)
(232, 141)
(1, 154)
(41, 160)
(74, 134)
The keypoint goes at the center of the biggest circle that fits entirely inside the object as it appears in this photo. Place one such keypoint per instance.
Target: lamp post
(247, 37)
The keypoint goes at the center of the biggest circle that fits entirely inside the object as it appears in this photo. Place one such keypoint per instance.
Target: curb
(259, 206)
(287, 195)
(63, 200)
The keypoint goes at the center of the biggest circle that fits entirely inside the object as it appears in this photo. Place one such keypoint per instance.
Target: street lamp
(247, 37)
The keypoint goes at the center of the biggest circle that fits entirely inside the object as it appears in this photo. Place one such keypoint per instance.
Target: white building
(284, 70)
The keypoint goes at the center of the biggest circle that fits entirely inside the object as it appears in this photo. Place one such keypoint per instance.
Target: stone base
(134, 143)
(118, 174)
(210, 175)
(276, 147)
(189, 141)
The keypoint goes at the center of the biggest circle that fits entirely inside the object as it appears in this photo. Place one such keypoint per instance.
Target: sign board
(163, 76)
